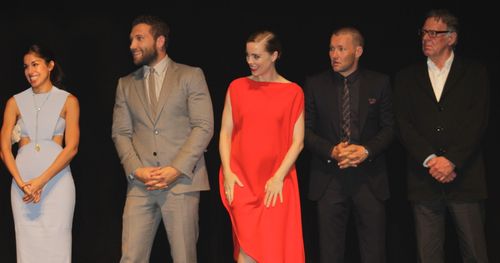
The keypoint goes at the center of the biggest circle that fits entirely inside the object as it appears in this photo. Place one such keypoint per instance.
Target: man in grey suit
(162, 123)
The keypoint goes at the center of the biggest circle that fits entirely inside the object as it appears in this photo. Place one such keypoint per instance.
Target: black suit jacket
(323, 132)
(452, 128)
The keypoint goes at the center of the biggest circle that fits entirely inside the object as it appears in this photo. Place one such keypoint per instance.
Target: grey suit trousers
(143, 212)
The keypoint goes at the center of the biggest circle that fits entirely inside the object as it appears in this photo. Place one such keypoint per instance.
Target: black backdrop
(92, 46)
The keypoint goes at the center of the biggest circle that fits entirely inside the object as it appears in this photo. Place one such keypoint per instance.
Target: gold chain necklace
(38, 108)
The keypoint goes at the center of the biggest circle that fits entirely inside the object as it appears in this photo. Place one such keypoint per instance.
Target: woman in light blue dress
(42, 192)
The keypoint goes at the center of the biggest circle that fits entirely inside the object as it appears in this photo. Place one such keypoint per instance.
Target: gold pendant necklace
(37, 110)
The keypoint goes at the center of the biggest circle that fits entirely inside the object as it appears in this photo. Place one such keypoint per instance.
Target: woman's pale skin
(37, 72)
(262, 66)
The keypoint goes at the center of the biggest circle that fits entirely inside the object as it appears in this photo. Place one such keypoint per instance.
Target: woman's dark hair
(56, 76)
(272, 41)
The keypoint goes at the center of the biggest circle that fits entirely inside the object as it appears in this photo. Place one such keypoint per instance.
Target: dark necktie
(346, 113)
(152, 89)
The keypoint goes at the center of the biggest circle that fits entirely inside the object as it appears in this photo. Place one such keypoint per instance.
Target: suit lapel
(424, 81)
(455, 73)
(363, 102)
(332, 96)
(140, 88)
(166, 88)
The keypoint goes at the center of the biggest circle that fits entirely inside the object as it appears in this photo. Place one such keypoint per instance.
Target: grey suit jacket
(179, 133)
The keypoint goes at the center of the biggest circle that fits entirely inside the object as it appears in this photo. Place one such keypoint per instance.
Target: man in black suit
(442, 113)
(349, 124)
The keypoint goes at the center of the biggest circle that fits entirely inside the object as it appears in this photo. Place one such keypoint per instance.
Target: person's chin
(138, 62)
(137, 59)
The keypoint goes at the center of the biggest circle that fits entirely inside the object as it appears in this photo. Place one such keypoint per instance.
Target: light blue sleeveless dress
(43, 230)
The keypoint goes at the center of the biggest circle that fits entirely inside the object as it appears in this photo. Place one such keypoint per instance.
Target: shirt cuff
(428, 159)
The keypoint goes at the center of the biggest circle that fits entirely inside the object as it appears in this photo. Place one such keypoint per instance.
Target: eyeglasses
(432, 33)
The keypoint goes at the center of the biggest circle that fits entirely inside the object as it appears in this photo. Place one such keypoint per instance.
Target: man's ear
(359, 51)
(161, 42)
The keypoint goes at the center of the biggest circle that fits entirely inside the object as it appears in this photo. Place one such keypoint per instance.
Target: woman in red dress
(261, 136)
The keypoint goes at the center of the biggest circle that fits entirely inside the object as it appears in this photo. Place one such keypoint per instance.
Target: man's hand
(441, 169)
(349, 155)
(335, 154)
(162, 178)
(448, 178)
(144, 174)
(356, 154)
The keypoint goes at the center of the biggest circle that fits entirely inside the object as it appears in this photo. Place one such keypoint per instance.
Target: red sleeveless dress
(264, 115)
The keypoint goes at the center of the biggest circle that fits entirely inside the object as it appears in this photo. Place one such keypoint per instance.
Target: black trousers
(468, 218)
(369, 216)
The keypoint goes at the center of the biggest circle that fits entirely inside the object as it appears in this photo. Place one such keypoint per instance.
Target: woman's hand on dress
(273, 189)
(28, 193)
(36, 186)
(230, 179)
(37, 196)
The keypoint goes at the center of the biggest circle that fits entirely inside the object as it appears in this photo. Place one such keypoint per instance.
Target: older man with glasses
(442, 109)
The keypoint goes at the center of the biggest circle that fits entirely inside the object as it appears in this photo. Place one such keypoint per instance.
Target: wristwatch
(131, 177)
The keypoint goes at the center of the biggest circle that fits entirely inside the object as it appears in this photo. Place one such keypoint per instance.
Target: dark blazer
(323, 132)
(452, 128)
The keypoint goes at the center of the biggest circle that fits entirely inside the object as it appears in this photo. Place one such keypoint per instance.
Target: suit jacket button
(156, 132)
(439, 129)
(329, 161)
(154, 153)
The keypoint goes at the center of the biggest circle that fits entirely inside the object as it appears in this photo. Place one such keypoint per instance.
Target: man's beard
(147, 58)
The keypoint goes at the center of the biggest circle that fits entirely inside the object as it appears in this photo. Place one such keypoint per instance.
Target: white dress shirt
(438, 76)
